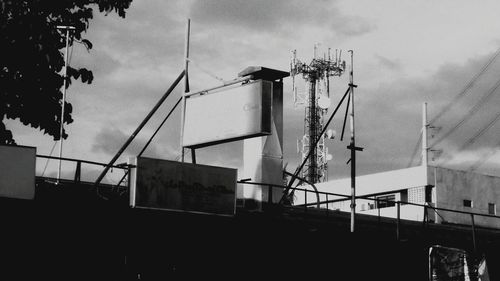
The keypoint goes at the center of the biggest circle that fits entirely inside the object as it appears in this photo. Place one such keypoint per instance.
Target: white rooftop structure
(415, 188)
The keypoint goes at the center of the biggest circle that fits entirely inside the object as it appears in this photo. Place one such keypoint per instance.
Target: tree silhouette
(32, 59)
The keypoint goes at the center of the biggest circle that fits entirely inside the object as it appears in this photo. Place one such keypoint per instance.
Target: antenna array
(316, 99)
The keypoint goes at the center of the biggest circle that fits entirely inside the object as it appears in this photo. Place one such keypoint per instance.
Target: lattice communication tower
(316, 99)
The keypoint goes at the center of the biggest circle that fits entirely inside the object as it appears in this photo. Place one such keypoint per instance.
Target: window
(492, 210)
(468, 203)
(416, 195)
(386, 201)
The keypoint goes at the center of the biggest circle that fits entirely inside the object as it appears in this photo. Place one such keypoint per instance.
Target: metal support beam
(159, 127)
(186, 84)
(78, 171)
(193, 155)
(139, 128)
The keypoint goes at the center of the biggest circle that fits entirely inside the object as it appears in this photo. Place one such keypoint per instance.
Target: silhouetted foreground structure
(69, 231)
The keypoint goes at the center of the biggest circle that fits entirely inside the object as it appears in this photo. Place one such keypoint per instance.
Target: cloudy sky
(405, 53)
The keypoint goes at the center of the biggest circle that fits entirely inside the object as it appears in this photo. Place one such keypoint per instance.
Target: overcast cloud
(405, 53)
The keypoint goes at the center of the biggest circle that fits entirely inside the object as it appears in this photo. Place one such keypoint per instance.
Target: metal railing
(335, 198)
(78, 168)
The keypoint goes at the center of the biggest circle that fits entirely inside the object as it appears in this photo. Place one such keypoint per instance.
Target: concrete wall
(452, 187)
(407, 212)
(379, 182)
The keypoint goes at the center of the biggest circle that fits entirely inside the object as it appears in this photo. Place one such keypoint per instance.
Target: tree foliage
(32, 59)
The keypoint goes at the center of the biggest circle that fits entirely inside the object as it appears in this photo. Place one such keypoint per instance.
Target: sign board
(231, 114)
(170, 185)
(17, 172)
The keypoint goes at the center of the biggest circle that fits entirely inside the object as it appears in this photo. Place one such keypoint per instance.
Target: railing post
(78, 171)
(398, 220)
(326, 204)
(378, 209)
(473, 232)
(269, 194)
(305, 200)
(424, 219)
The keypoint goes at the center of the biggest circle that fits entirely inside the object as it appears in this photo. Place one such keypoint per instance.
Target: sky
(405, 53)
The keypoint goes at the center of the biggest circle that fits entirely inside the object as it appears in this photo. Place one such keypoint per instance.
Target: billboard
(170, 185)
(234, 113)
(17, 172)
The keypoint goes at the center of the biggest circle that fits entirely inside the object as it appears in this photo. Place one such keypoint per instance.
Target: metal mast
(63, 100)
(316, 74)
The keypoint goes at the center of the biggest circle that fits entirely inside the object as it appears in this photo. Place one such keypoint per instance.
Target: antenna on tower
(317, 101)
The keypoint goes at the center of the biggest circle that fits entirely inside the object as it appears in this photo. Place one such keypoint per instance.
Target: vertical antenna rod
(186, 85)
(424, 135)
(352, 146)
(67, 28)
(316, 74)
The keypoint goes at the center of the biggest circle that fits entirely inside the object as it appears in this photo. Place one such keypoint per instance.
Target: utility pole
(67, 28)
(352, 145)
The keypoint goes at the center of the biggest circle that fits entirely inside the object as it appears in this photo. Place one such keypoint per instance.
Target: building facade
(417, 191)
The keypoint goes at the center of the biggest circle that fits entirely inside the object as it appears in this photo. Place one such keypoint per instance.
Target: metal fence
(77, 178)
(325, 200)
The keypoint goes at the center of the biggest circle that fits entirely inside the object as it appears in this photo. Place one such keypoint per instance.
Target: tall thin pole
(65, 72)
(424, 135)
(186, 84)
(352, 145)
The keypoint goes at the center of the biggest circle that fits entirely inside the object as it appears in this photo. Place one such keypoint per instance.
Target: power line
(483, 159)
(415, 150)
(481, 131)
(467, 87)
(470, 113)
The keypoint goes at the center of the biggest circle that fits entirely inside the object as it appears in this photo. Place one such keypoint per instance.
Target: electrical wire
(206, 71)
(415, 150)
(467, 87)
(470, 113)
(483, 159)
(481, 132)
